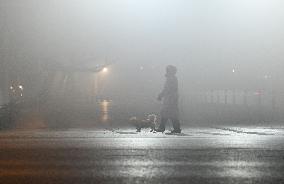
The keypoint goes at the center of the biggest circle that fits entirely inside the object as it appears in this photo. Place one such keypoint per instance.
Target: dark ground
(199, 155)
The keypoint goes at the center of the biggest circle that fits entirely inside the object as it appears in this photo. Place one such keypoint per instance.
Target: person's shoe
(176, 131)
(160, 130)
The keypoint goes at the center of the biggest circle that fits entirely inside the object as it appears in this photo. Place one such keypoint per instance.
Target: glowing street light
(105, 69)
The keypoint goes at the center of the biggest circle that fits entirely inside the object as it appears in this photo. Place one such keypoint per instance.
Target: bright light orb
(105, 70)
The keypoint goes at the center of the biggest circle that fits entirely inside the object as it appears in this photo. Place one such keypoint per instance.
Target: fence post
(234, 97)
(226, 97)
(218, 97)
(245, 98)
(211, 96)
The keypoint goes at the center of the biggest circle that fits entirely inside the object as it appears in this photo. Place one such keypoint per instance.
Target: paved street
(199, 155)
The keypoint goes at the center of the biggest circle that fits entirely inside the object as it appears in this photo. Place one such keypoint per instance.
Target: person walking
(169, 96)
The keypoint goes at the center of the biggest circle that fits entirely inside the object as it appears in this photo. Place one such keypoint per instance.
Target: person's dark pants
(175, 122)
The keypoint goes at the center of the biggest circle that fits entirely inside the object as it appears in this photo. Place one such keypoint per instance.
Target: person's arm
(164, 92)
(170, 87)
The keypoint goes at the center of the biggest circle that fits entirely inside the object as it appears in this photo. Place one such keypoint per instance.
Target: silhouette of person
(169, 96)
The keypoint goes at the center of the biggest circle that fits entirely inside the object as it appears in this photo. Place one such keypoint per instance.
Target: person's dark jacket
(170, 96)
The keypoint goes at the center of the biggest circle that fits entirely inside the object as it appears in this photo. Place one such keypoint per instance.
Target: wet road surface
(199, 155)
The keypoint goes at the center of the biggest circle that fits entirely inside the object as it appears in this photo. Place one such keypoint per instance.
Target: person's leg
(162, 126)
(176, 126)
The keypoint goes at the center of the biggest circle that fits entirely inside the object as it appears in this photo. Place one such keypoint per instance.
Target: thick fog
(217, 45)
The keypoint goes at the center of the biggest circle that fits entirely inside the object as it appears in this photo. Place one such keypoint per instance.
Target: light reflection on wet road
(200, 155)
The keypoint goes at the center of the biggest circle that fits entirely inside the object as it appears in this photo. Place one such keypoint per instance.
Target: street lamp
(105, 69)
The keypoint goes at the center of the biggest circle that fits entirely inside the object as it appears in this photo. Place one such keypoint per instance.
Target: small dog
(149, 122)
